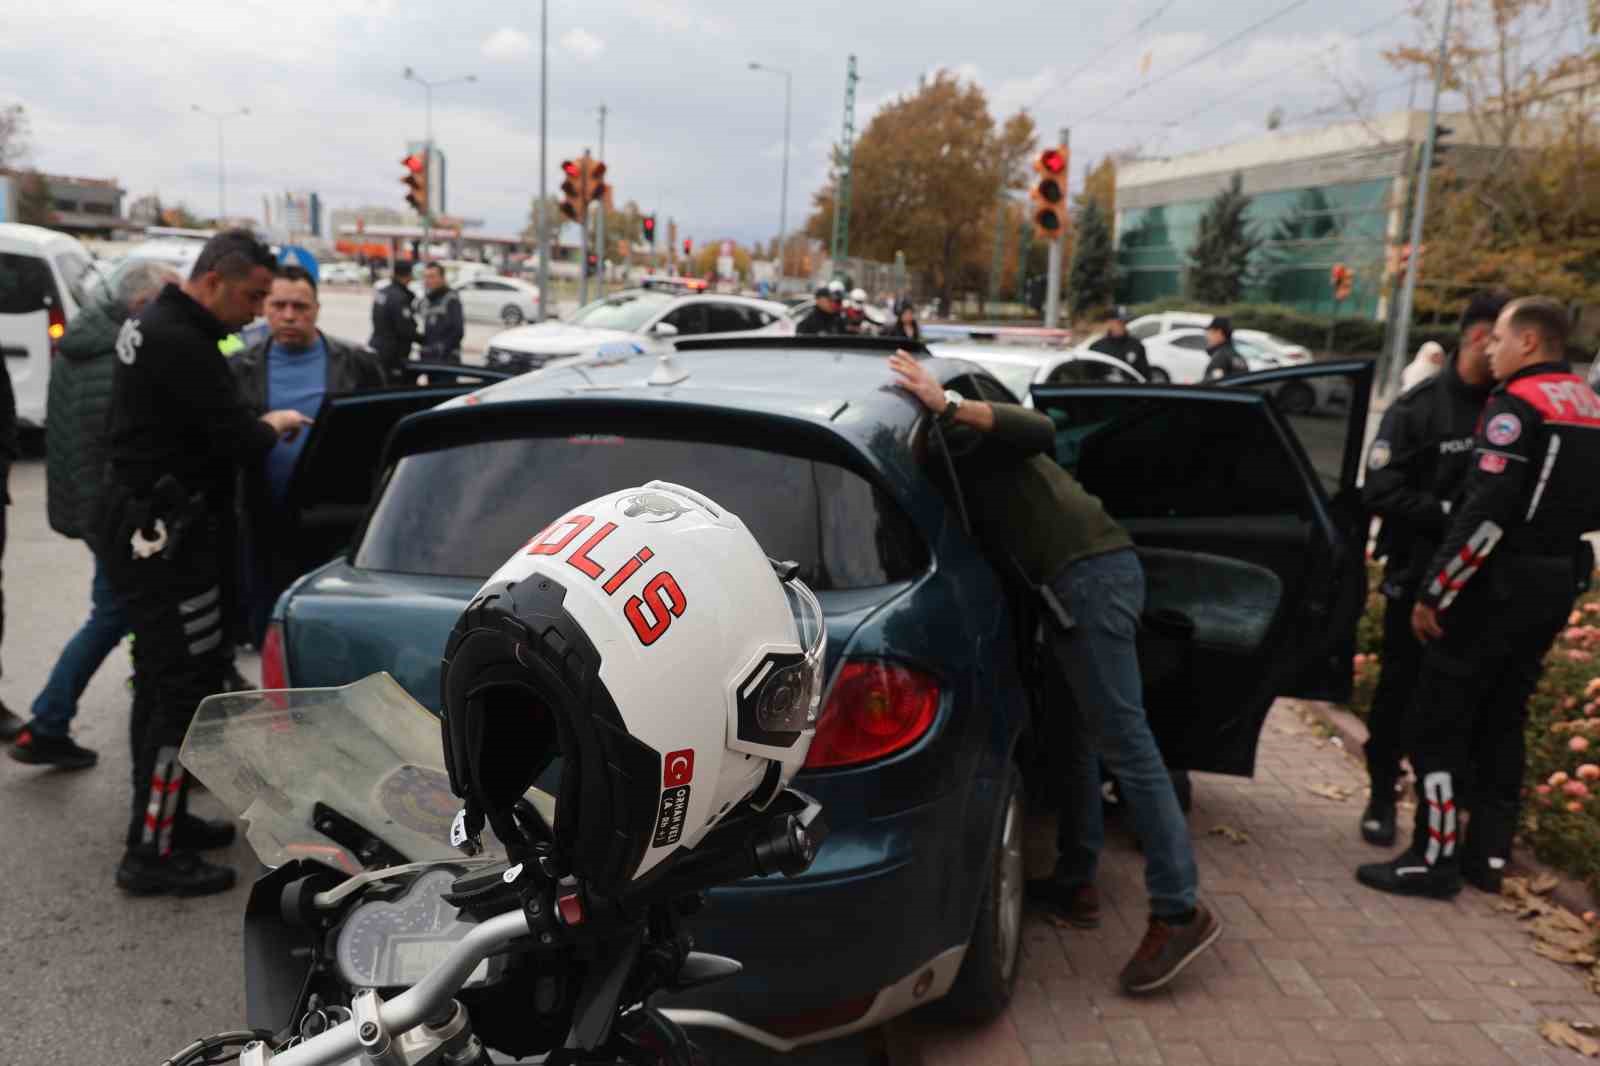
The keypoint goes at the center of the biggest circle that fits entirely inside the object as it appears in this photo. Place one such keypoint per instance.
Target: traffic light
(688, 246)
(650, 231)
(1049, 194)
(416, 182)
(594, 182)
(1439, 147)
(591, 266)
(572, 190)
(1341, 277)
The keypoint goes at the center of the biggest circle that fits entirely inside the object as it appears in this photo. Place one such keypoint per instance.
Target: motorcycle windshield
(367, 752)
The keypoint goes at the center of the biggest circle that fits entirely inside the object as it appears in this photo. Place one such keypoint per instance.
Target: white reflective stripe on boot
(1438, 790)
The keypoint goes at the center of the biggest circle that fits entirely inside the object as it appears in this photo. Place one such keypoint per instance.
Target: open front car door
(1252, 534)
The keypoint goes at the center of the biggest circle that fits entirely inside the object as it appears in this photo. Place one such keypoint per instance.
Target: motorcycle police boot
(1378, 820)
(182, 873)
(1430, 866)
(1487, 849)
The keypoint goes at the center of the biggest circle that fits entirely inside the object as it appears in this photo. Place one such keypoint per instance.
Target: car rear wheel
(1296, 398)
(1159, 376)
(989, 972)
(511, 315)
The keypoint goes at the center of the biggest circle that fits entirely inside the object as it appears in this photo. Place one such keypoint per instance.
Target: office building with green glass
(1317, 198)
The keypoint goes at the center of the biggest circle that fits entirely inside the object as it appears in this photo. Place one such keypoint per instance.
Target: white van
(45, 277)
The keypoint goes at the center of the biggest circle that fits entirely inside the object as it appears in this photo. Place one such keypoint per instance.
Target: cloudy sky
(692, 132)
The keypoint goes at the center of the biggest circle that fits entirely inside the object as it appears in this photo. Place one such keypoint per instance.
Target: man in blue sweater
(294, 369)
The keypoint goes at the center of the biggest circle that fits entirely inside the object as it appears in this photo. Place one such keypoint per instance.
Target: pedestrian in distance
(1429, 361)
(443, 324)
(1416, 467)
(1118, 343)
(178, 431)
(904, 323)
(75, 456)
(1497, 591)
(394, 323)
(295, 368)
(823, 319)
(1226, 362)
(1026, 508)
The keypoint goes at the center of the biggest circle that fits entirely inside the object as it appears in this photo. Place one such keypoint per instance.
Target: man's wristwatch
(952, 402)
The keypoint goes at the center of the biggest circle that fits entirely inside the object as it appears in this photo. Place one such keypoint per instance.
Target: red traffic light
(688, 246)
(569, 168)
(413, 163)
(1053, 161)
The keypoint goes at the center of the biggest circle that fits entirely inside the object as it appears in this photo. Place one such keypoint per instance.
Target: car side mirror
(664, 329)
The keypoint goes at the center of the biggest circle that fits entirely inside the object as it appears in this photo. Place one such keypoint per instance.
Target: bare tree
(13, 135)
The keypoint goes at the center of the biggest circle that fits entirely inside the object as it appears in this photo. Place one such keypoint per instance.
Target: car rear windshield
(25, 284)
(464, 511)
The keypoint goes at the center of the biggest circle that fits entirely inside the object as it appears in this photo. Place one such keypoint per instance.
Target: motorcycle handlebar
(426, 999)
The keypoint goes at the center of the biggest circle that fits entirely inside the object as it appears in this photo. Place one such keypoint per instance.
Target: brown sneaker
(1077, 905)
(1167, 949)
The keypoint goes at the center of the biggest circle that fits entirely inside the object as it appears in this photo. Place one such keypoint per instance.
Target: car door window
(689, 319)
(729, 318)
(1146, 330)
(1194, 342)
(25, 284)
(1089, 372)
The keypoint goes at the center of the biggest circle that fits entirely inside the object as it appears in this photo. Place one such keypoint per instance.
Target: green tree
(33, 200)
(1219, 261)
(927, 172)
(1093, 280)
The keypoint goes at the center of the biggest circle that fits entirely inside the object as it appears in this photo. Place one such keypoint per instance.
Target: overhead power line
(1202, 57)
(1100, 52)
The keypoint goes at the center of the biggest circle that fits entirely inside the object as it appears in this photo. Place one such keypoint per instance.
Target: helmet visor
(791, 693)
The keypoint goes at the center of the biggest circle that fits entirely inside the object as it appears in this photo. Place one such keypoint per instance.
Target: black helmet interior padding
(520, 688)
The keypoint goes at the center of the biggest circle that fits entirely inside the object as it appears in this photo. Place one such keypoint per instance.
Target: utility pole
(841, 201)
(783, 195)
(1408, 292)
(544, 114)
(1052, 295)
(222, 185)
(600, 218)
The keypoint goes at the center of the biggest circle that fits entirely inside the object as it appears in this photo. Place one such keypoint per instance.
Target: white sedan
(495, 299)
(646, 319)
(1020, 368)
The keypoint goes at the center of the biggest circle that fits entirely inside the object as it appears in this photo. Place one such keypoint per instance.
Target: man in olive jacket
(296, 366)
(76, 421)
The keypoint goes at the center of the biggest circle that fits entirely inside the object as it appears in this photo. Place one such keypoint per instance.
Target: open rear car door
(1252, 534)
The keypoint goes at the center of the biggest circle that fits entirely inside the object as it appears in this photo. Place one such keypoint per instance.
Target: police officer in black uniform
(1415, 468)
(1497, 592)
(1118, 343)
(823, 319)
(394, 322)
(443, 324)
(1226, 362)
(177, 430)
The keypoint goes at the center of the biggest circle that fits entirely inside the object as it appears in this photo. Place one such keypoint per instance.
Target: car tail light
(274, 663)
(58, 327)
(876, 708)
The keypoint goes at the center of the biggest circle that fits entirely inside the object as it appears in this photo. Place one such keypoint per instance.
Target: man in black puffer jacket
(79, 401)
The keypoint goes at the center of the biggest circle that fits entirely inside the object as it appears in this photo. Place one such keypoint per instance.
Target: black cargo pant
(1466, 734)
(178, 612)
(1398, 665)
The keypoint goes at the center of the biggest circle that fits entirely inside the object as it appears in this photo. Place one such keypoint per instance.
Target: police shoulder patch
(1503, 429)
(1380, 455)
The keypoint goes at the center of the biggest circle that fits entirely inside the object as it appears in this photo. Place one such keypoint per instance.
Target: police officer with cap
(1226, 362)
(177, 432)
(1118, 343)
(394, 322)
(823, 319)
(1415, 468)
(1496, 593)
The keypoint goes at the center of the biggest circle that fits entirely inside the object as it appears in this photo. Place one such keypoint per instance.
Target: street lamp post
(427, 90)
(783, 202)
(220, 116)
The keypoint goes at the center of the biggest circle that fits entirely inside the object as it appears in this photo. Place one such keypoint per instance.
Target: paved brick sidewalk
(1312, 968)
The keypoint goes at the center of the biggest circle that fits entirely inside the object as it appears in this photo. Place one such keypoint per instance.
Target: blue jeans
(1100, 661)
(56, 705)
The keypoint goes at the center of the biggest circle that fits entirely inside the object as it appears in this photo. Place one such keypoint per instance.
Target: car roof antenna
(668, 371)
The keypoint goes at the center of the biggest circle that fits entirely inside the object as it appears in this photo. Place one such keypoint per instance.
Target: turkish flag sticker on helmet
(677, 768)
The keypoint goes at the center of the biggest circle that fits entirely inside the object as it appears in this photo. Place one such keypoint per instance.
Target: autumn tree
(1515, 200)
(1219, 260)
(927, 174)
(34, 203)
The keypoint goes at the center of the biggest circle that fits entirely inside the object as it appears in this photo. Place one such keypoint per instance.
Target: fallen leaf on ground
(1232, 835)
(1544, 884)
(1332, 792)
(1563, 1035)
(1565, 956)
(1562, 927)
